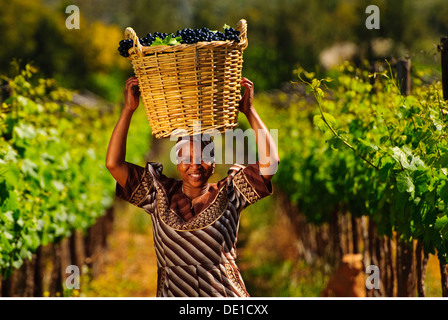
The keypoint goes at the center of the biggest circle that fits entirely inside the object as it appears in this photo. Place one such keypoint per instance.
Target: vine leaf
(319, 121)
(441, 224)
(405, 183)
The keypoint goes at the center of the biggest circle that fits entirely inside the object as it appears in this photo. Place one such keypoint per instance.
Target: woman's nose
(196, 161)
(195, 164)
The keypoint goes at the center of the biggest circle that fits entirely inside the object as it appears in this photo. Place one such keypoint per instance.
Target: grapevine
(52, 175)
(376, 153)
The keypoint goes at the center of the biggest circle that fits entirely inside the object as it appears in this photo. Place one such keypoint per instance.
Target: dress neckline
(212, 210)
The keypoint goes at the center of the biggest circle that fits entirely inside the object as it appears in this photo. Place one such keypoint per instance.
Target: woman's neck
(194, 192)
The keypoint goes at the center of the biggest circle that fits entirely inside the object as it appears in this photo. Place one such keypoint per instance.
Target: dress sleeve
(249, 183)
(139, 185)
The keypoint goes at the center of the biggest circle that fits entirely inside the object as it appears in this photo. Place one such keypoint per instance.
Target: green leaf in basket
(168, 41)
(174, 41)
(157, 42)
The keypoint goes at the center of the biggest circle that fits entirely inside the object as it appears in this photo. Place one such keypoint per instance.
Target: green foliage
(281, 34)
(371, 152)
(168, 41)
(52, 174)
(35, 33)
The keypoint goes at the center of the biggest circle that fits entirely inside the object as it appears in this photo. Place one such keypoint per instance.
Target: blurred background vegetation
(283, 35)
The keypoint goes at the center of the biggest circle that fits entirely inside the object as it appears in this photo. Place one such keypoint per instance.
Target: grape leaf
(167, 41)
(441, 224)
(319, 122)
(405, 183)
(385, 171)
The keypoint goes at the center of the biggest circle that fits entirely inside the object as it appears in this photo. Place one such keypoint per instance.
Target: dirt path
(128, 268)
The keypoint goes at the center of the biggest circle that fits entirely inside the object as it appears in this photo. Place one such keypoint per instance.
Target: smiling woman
(195, 223)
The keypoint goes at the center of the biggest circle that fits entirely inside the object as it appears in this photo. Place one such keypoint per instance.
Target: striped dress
(195, 241)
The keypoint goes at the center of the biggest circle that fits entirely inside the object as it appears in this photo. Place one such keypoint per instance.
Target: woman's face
(193, 167)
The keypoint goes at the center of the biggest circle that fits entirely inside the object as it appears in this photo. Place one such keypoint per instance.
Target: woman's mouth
(195, 176)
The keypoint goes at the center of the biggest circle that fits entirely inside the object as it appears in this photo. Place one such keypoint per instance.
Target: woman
(195, 223)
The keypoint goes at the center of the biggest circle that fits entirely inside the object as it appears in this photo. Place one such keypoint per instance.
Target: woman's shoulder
(155, 168)
(249, 182)
(152, 172)
(233, 170)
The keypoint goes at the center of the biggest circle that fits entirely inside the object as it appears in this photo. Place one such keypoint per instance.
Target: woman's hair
(207, 145)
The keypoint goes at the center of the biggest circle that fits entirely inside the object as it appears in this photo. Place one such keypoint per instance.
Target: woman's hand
(116, 152)
(247, 101)
(131, 96)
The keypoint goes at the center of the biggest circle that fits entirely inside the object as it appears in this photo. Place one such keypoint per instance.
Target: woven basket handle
(242, 28)
(130, 34)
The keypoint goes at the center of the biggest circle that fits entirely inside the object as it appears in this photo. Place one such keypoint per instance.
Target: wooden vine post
(443, 47)
(404, 75)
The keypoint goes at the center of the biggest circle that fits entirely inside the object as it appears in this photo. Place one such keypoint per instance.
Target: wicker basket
(183, 84)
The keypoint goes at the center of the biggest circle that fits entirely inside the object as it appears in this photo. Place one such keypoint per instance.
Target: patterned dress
(195, 241)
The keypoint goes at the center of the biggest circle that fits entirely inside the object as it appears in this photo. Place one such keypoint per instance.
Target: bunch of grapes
(149, 38)
(124, 47)
(188, 36)
(191, 36)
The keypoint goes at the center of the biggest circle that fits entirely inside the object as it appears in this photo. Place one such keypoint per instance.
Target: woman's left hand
(247, 101)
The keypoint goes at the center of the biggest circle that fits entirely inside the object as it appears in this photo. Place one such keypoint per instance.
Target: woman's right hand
(131, 97)
(116, 152)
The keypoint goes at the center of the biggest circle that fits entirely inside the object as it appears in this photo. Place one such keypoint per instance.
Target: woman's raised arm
(116, 152)
(268, 158)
